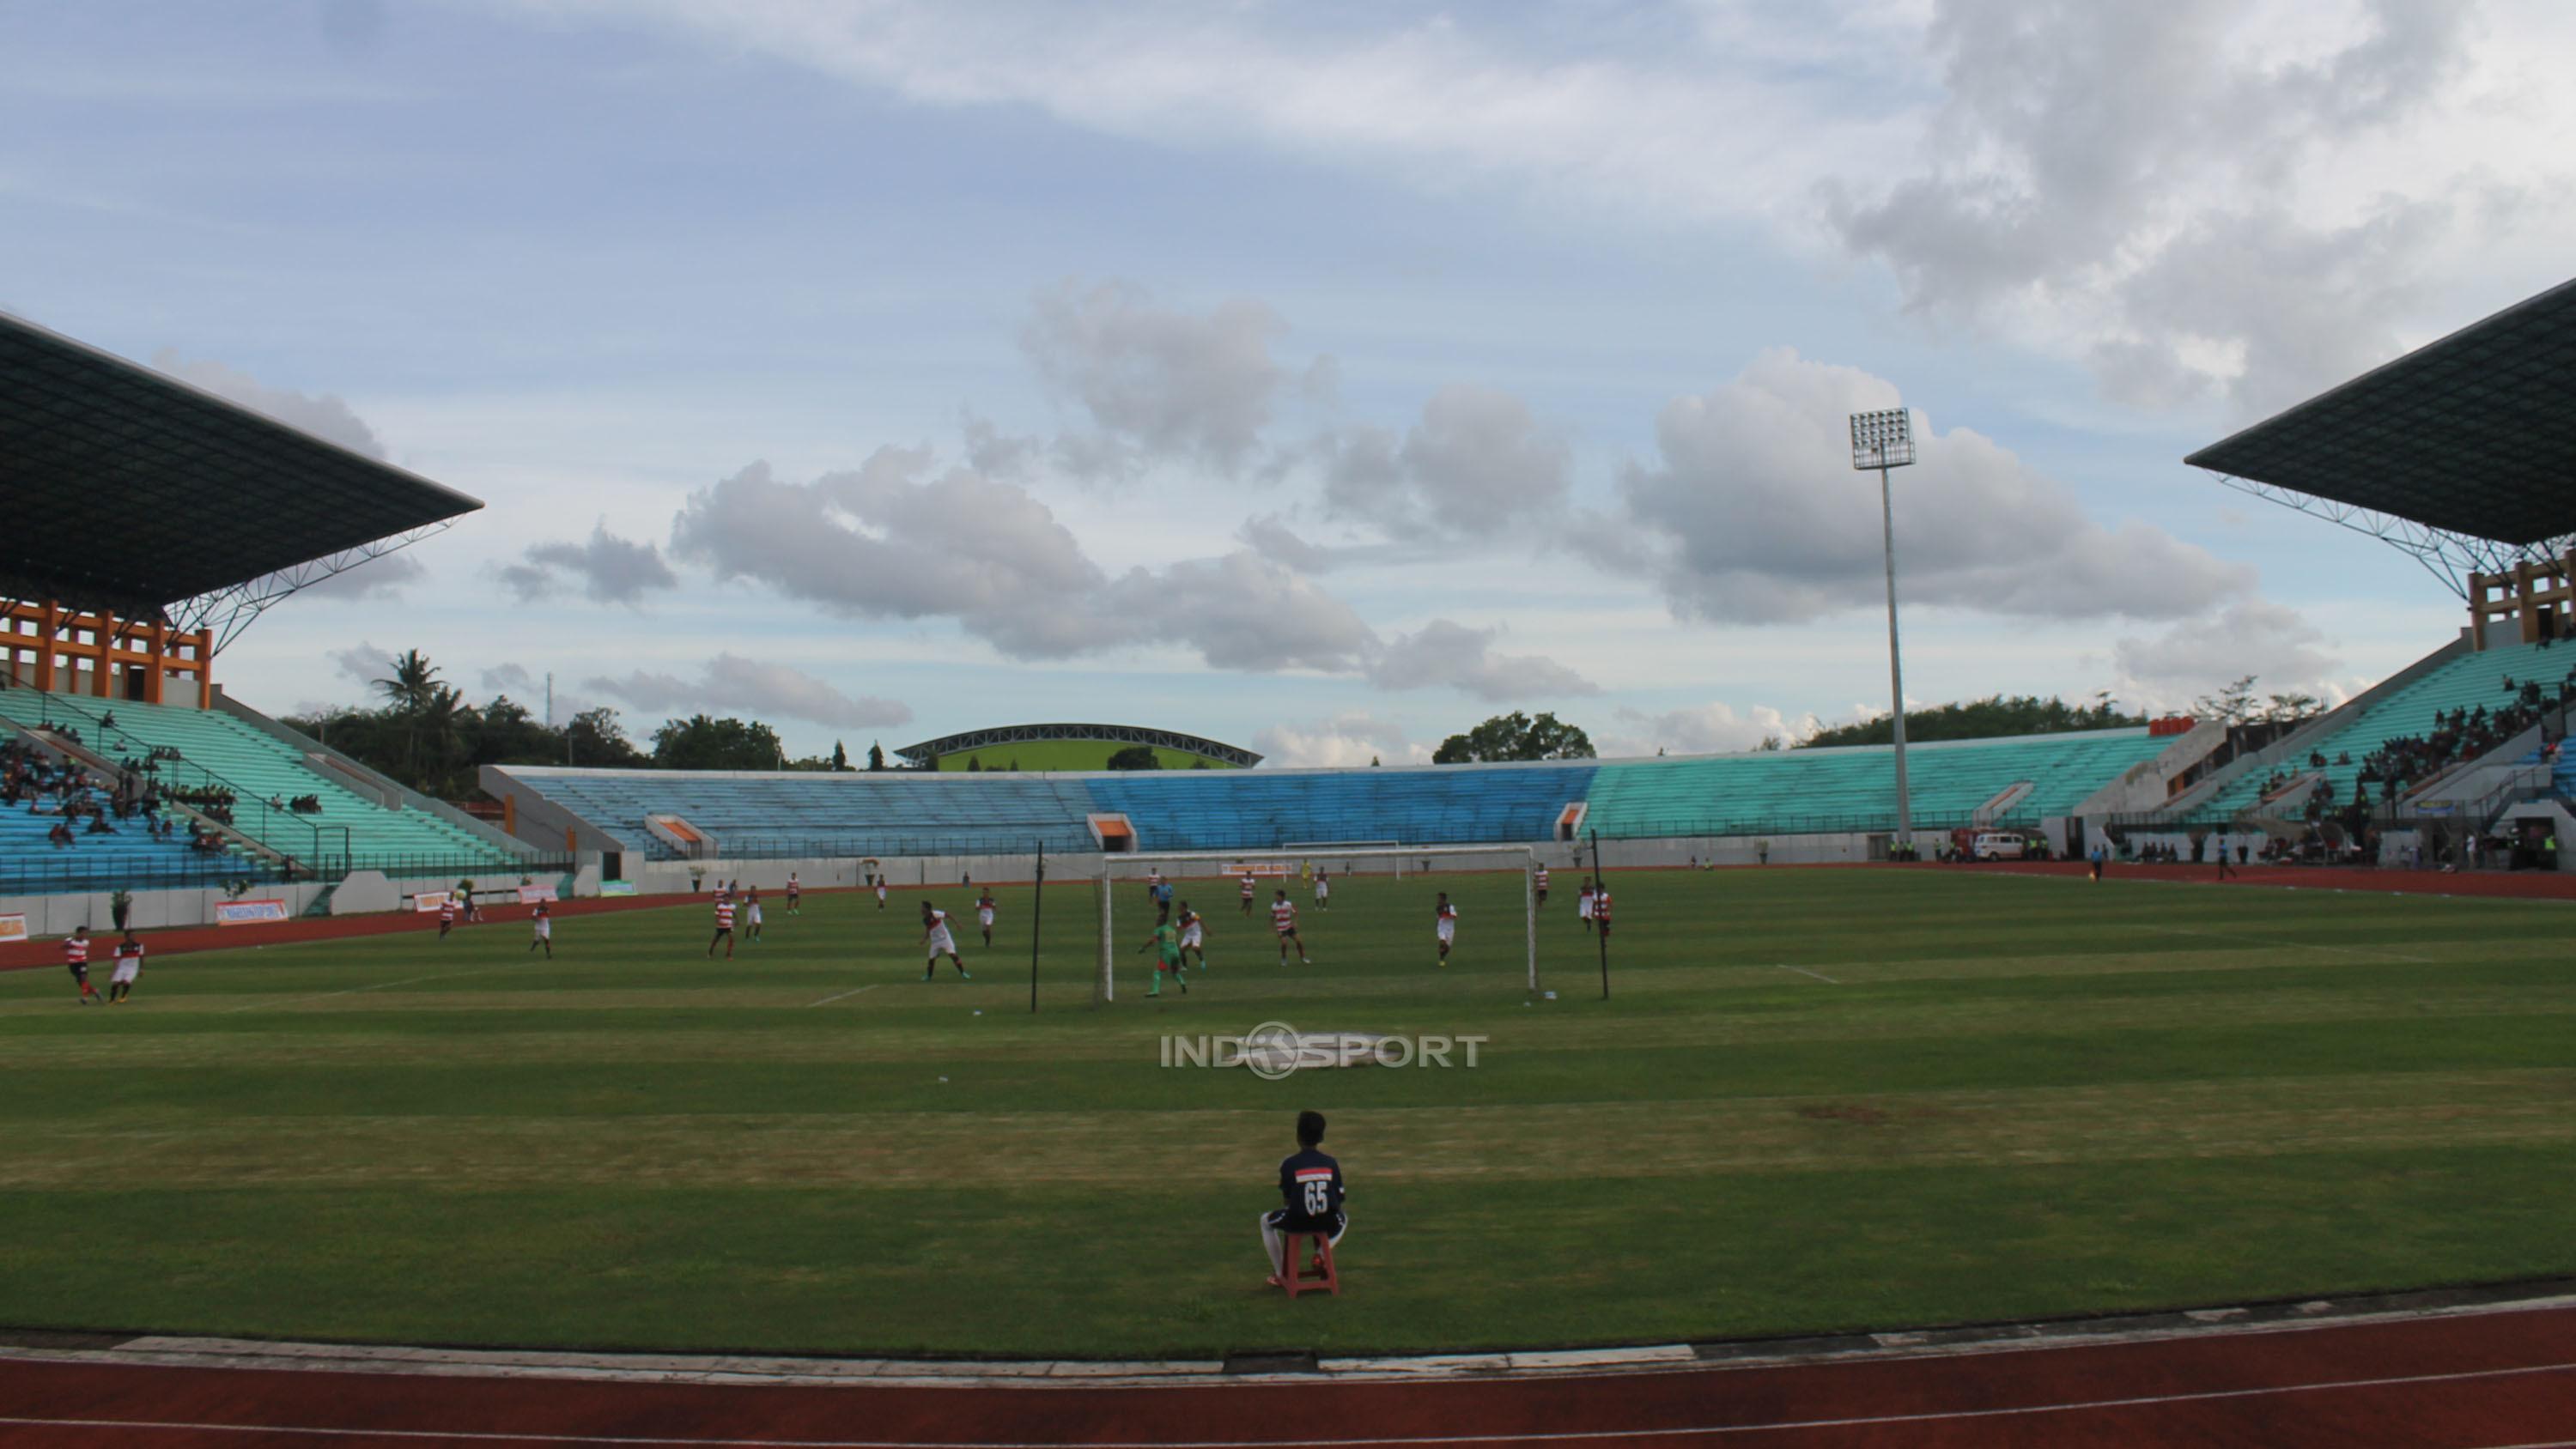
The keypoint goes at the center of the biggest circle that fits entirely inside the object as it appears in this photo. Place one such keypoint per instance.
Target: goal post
(1123, 878)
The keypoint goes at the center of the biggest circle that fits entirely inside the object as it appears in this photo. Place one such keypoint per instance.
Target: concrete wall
(153, 910)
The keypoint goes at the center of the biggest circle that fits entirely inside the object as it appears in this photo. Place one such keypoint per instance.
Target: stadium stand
(1788, 791)
(342, 829)
(2468, 681)
(1440, 805)
(34, 782)
(764, 815)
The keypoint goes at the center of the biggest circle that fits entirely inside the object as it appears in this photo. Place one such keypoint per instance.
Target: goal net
(1374, 901)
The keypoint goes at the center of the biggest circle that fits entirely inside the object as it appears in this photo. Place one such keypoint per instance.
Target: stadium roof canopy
(123, 488)
(2472, 437)
(1111, 734)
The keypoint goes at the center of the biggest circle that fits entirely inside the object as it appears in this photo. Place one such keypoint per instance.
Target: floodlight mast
(1885, 440)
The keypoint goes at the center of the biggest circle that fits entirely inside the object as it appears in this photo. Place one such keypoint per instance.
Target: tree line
(426, 736)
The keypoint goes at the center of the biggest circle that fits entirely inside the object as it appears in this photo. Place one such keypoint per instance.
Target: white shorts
(1448, 931)
(984, 919)
(545, 930)
(755, 915)
(942, 944)
(126, 971)
(1583, 909)
(1189, 936)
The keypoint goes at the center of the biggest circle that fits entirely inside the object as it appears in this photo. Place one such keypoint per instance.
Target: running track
(2475, 1380)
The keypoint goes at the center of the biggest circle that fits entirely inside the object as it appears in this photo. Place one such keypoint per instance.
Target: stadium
(2201, 1080)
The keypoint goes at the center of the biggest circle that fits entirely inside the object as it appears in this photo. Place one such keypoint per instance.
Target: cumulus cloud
(610, 570)
(731, 684)
(1242, 611)
(1270, 536)
(1704, 729)
(1476, 462)
(1448, 654)
(502, 677)
(892, 540)
(364, 663)
(1342, 741)
(383, 577)
(1752, 513)
(1158, 380)
(324, 415)
(2273, 642)
(2129, 166)
(899, 538)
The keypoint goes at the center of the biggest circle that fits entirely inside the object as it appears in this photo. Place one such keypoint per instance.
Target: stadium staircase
(1793, 791)
(349, 832)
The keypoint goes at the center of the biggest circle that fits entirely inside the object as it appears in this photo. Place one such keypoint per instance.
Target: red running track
(2477, 1381)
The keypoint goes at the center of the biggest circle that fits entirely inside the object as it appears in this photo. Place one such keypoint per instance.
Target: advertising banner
(243, 913)
(13, 928)
(428, 902)
(531, 894)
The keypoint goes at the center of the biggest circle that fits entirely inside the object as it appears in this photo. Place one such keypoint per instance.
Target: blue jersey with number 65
(1311, 1184)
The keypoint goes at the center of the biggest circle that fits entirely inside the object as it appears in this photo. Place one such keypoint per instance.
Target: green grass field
(1816, 1100)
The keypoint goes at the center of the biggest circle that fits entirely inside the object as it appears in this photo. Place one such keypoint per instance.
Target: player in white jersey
(984, 914)
(1323, 890)
(1583, 906)
(1247, 891)
(129, 966)
(1193, 935)
(724, 926)
(881, 893)
(544, 924)
(937, 942)
(795, 893)
(1447, 926)
(1283, 920)
(751, 914)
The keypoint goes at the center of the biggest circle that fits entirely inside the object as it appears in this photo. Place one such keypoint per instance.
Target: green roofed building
(1073, 747)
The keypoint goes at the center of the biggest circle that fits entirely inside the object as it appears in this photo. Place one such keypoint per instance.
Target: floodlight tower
(1885, 440)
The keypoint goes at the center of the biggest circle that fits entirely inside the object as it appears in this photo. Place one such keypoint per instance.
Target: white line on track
(1569, 1436)
(853, 991)
(1803, 971)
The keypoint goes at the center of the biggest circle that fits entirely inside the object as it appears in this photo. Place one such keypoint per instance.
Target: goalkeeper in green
(1165, 943)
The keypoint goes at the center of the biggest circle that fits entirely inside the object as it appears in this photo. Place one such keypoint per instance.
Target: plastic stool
(1295, 1276)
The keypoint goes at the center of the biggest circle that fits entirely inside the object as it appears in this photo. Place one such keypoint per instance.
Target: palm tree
(414, 684)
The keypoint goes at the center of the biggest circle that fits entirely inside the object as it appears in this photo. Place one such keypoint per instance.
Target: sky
(1317, 377)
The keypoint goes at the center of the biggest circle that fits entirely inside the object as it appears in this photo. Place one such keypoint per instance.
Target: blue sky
(1321, 378)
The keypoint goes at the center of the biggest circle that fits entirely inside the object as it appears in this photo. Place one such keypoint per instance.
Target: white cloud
(1445, 653)
(364, 663)
(324, 415)
(611, 570)
(1270, 536)
(1156, 381)
(1706, 729)
(1344, 740)
(1752, 512)
(382, 577)
(1476, 462)
(2273, 642)
(1242, 611)
(731, 684)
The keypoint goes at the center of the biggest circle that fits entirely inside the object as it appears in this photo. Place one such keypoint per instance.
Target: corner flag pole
(1601, 938)
(1037, 913)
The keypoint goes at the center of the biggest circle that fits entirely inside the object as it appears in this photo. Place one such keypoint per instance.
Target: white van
(1995, 846)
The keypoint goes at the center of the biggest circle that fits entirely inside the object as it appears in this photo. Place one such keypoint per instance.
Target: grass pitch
(1816, 1099)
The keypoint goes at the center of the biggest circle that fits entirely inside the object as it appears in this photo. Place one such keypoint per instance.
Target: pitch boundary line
(1564, 1436)
(356, 990)
(843, 996)
(1803, 971)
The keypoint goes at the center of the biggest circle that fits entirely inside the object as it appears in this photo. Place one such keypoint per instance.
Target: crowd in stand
(89, 804)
